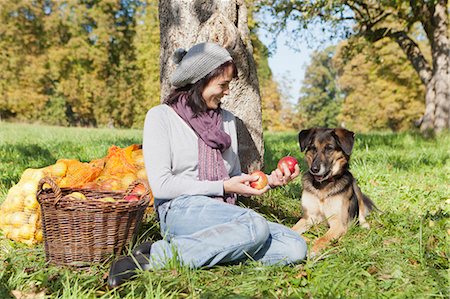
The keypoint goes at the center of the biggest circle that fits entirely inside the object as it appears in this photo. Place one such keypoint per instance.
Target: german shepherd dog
(330, 192)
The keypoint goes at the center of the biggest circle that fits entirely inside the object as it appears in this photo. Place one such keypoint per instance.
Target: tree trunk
(436, 78)
(184, 23)
(439, 87)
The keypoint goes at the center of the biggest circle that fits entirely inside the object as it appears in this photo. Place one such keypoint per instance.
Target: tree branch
(409, 47)
(423, 13)
(355, 9)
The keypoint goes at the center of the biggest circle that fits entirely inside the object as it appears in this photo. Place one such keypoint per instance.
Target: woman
(190, 152)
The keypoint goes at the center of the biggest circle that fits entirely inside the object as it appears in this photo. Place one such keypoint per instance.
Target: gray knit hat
(196, 63)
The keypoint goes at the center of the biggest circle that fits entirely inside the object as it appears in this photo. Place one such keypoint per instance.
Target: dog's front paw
(312, 255)
(365, 225)
(318, 246)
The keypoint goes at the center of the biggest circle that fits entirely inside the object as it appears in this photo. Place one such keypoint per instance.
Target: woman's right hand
(241, 185)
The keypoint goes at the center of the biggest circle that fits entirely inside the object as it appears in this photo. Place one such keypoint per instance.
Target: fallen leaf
(28, 295)
(413, 261)
(372, 270)
(374, 183)
(391, 241)
(301, 274)
(385, 277)
(105, 275)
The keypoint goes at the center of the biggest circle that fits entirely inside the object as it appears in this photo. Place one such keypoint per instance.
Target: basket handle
(53, 185)
(135, 184)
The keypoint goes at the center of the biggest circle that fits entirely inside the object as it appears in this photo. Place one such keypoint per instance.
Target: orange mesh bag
(79, 173)
(138, 160)
(119, 171)
(119, 161)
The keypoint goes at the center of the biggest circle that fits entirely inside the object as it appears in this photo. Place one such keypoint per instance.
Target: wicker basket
(78, 232)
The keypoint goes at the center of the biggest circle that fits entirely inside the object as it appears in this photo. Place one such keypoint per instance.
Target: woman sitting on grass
(191, 157)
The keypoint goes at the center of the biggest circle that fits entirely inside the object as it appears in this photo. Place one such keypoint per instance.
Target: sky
(288, 65)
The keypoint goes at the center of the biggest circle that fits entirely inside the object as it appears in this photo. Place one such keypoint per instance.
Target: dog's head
(327, 151)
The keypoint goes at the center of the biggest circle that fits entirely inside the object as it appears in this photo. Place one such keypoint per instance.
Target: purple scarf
(212, 142)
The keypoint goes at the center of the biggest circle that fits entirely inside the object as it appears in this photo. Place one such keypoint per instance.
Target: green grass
(405, 254)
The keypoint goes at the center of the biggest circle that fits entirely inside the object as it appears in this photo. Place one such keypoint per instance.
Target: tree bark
(436, 78)
(184, 23)
(440, 49)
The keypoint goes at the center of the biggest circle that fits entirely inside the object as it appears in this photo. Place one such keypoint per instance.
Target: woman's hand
(281, 178)
(241, 185)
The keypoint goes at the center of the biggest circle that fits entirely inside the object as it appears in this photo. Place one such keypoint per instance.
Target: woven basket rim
(54, 194)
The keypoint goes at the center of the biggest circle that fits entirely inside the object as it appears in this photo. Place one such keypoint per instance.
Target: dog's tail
(364, 199)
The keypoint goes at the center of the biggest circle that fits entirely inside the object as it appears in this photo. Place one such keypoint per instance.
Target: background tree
(23, 44)
(375, 20)
(185, 23)
(92, 63)
(147, 46)
(321, 99)
(73, 60)
(381, 88)
(270, 96)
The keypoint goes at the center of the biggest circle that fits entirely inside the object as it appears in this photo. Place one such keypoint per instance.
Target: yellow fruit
(27, 174)
(15, 191)
(38, 175)
(77, 195)
(28, 242)
(28, 187)
(38, 235)
(138, 157)
(13, 234)
(13, 203)
(32, 175)
(6, 219)
(33, 219)
(30, 202)
(59, 169)
(17, 219)
(26, 232)
(3, 221)
(111, 184)
(142, 174)
(108, 199)
(64, 182)
(128, 179)
(46, 186)
(6, 229)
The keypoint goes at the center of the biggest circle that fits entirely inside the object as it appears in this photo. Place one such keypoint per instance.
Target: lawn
(405, 254)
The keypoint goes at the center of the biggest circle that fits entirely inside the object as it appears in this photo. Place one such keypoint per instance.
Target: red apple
(139, 189)
(290, 163)
(131, 198)
(261, 182)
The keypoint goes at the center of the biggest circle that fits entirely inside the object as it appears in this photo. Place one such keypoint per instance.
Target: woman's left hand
(281, 178)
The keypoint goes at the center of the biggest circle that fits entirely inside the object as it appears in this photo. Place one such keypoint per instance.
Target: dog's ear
(304, 138)
(346, 139)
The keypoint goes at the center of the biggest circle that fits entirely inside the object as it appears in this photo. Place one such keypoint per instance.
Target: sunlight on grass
(403, 255)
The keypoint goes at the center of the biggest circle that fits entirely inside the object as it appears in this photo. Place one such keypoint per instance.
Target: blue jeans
(202, 231)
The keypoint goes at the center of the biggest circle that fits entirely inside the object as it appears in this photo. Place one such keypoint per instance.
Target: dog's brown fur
(330, 192)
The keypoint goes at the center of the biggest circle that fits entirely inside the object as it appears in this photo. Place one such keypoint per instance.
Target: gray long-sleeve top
(170, 148)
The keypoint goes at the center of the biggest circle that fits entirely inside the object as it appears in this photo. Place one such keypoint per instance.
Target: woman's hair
(194, 91)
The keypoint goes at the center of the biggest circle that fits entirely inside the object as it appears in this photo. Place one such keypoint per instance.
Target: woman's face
(217, 88)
